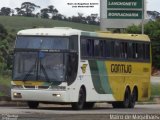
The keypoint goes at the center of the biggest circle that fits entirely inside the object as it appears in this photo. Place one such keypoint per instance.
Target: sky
(64, 6)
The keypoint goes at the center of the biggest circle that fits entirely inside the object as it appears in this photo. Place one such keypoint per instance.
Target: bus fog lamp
(17, 95)
(57, 95)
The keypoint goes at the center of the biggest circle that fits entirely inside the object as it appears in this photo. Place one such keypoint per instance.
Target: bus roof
(66, 31)
(121, 36)
(56, 31)
(136, 37)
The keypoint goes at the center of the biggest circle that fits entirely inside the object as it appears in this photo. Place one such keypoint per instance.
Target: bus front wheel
(81, 100)
(89, 105)
(33, 104)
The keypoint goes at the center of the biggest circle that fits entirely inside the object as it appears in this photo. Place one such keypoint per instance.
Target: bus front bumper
(39, 95)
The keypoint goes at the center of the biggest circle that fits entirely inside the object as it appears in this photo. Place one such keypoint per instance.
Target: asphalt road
(99, 112)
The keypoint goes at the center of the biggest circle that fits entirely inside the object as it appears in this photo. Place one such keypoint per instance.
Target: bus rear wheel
(81, 100)
(133, 98)
(33, 104)
(127, 98)
(126, 101)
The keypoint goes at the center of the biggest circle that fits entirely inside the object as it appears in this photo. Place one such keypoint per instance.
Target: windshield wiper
(45, 73)
(28, 74)
(32, 68)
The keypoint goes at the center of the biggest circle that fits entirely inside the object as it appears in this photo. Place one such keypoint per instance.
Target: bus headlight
(58, 88)
(17, 86)
(57, 95)
(17, 95)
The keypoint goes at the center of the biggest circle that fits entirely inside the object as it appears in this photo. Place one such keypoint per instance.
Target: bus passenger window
(144, 47)
(83, 48)
(102, 49)
(147, 51)
(129, 50)
(109, 48)
(124, 47)
(72, 66)
(135, 50)
(90, 48)
(117, 49)
(112, 49)
(73, 43)
(140, 51)
(96, 48)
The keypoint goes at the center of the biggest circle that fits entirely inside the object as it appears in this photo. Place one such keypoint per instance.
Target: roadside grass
(5, 85)
(155, 89)
(155, 93)
(18, 23)
(5, 80)
(2, 94)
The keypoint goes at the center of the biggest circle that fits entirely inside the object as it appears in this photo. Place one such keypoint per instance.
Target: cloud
(17, 3)
(61, 5)
(67, 10)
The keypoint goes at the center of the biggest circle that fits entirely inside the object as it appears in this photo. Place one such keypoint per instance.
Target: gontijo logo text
(121, 68)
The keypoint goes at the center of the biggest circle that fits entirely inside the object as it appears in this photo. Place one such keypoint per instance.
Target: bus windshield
(39, 42)
(43, 58)
(40, 65)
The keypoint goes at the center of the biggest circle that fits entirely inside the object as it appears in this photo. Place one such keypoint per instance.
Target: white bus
(65, 65)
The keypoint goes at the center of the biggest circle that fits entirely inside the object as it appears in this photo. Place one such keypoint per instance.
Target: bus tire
(127, 97)
(33, 104)
(89, 105)
(81, 100)
(133, 98)
(117, 104)
(126, 101)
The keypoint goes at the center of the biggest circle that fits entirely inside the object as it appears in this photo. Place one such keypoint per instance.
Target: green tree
(5, 11)
(19, 12)
(28, 8)
(3, 32)
(44, 13)
(152, 29)
(134, 29)
(4, 47)
(53, 11)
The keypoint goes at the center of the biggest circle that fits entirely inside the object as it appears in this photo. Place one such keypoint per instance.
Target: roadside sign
(124, 14)
(121, 13)
(124, 4)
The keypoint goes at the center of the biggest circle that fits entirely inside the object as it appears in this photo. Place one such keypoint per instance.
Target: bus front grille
(43, 87)
(30, 87)
(36, 87)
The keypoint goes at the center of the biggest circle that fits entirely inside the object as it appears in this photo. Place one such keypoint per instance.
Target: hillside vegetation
(18, 23)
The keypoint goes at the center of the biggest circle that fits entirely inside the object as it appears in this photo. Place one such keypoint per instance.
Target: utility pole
(143, 14)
